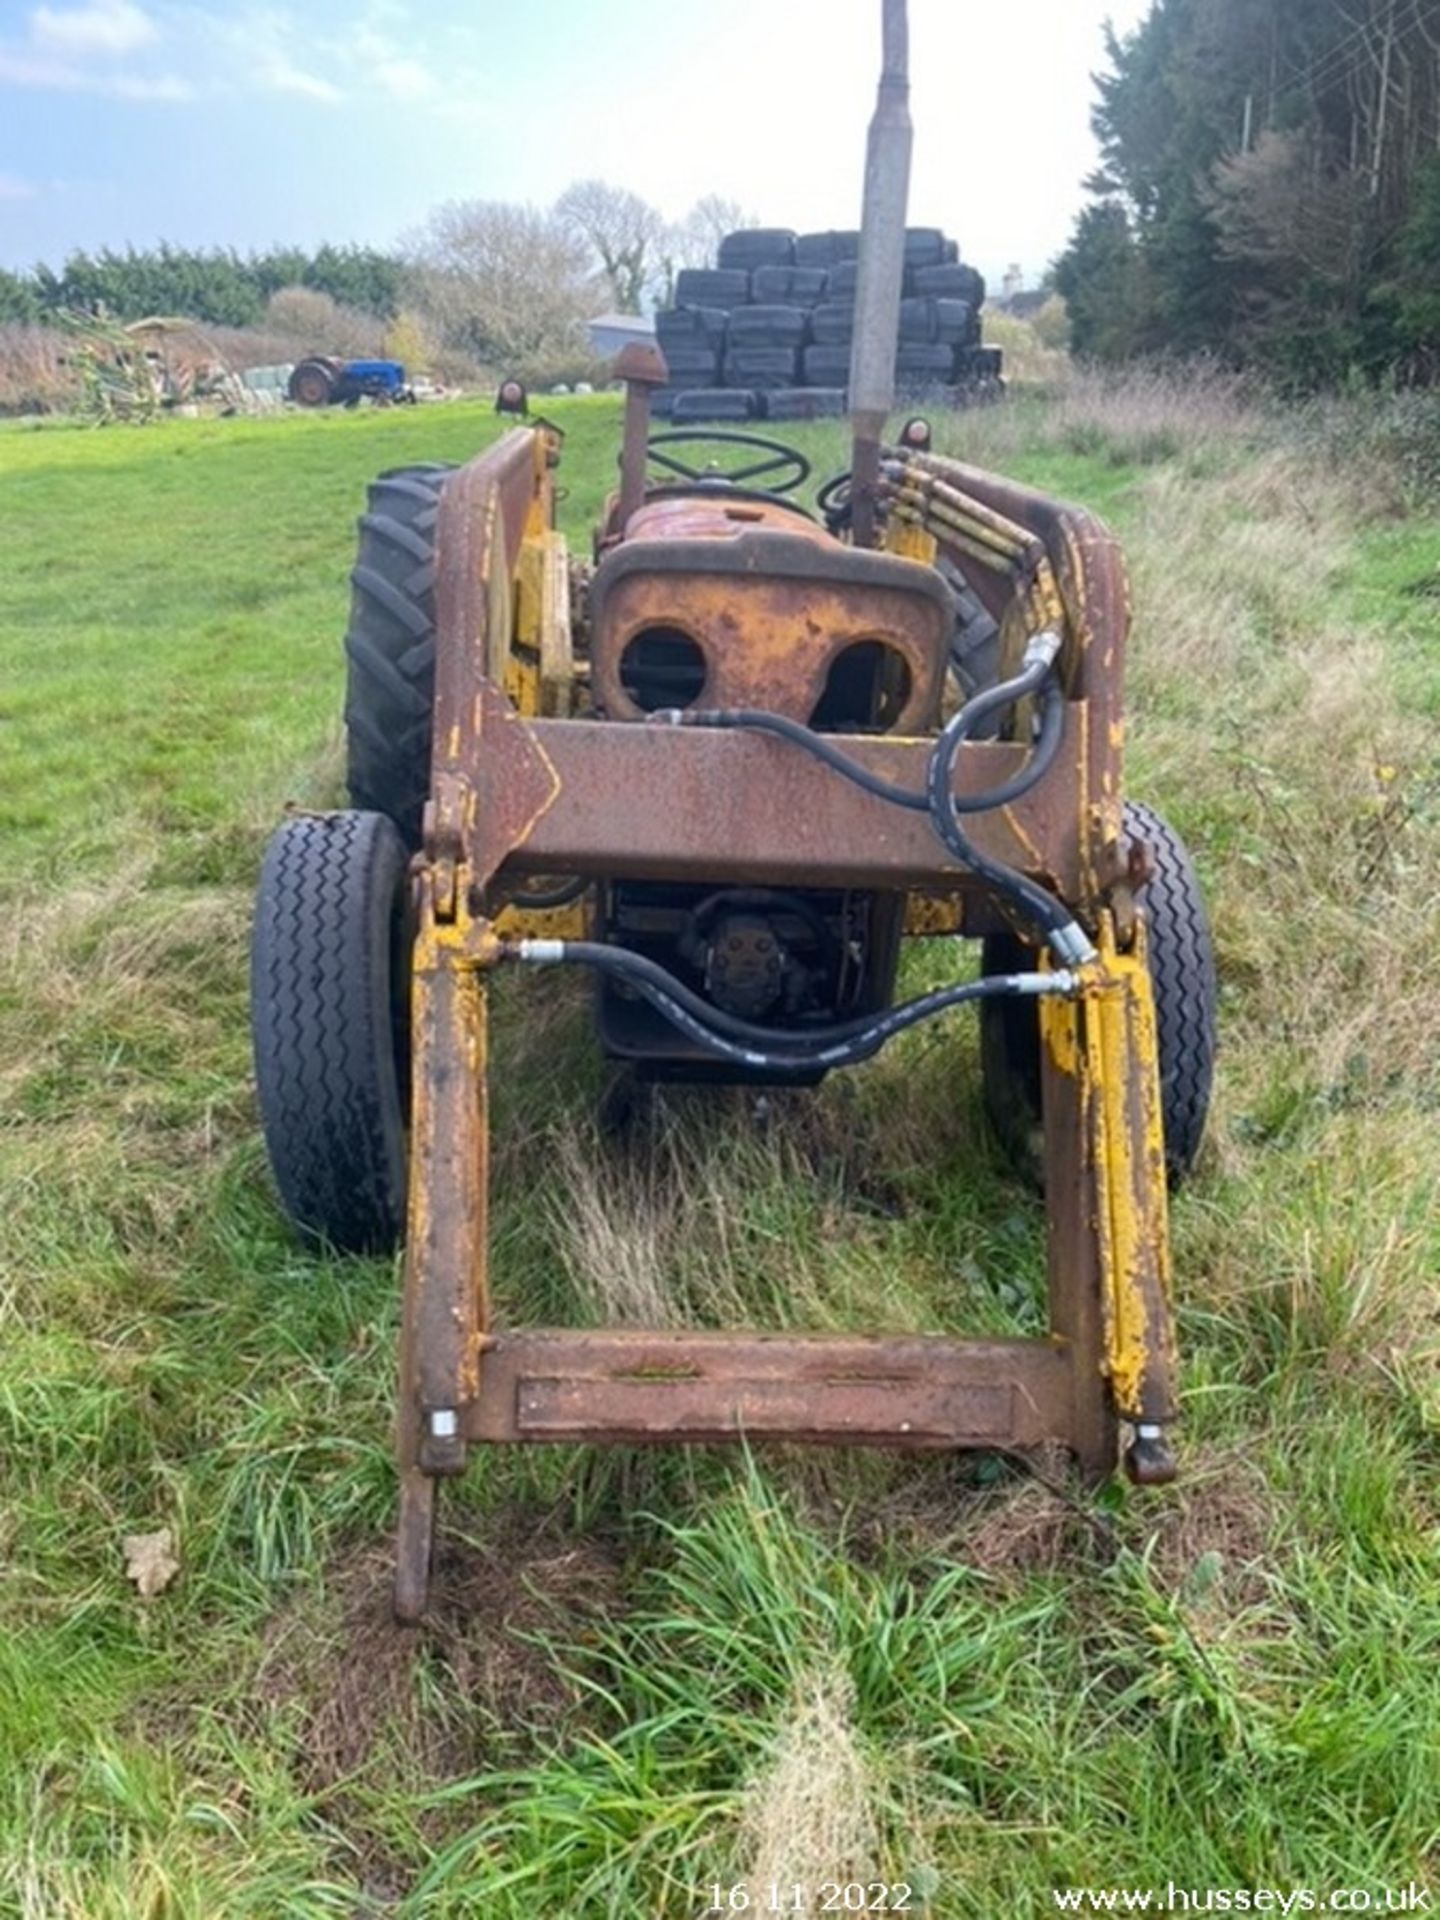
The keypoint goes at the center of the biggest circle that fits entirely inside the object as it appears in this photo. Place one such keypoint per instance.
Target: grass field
(647, 1674)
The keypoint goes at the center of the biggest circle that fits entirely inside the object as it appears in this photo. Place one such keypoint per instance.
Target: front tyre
(1181, 959)
(329, 1005)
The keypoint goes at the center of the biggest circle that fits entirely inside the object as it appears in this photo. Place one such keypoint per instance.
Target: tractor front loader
(728, 768)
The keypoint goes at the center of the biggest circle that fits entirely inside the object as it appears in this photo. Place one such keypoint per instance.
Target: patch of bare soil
(434, 1695)
(1214, 1535)
(941, 1508)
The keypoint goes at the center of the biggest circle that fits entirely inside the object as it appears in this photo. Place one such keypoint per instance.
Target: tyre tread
(329, 1086)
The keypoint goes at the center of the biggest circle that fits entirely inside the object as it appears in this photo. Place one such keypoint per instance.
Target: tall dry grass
(34, 374)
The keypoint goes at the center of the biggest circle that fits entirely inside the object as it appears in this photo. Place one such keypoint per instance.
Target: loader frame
(520, 789)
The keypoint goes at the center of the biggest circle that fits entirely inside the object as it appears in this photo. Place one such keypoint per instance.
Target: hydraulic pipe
(881, 270)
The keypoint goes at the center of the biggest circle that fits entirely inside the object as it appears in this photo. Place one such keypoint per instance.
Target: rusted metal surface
(483, 516)
(643, 1387)
(1094, 587)
(517, 796)
(643, 802)
(930, 914)
(771, 601)
(692, 516)
(1106, 1205)
(772, 646)
(1123, 1059)
(449, 1191)
(641, 366)
(483, 513)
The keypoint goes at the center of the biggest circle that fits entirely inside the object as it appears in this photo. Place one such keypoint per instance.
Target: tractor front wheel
(329, 1009)
(1182, 975)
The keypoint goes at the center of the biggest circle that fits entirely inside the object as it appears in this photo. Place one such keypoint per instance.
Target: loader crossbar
(514, 795)
(641, 1388)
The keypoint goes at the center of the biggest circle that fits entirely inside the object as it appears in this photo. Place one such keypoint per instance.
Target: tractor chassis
(513, 797)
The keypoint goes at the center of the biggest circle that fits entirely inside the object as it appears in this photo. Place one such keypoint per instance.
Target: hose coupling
(1072, 946)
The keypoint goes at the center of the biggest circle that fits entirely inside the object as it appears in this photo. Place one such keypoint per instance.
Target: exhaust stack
(881, 269)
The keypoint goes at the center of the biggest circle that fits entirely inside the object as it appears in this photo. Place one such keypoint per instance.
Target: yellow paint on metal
(911, 542)
(1060, 1032)
(522, 684)
(544, 923)
(929, 915)
(1120, 1065)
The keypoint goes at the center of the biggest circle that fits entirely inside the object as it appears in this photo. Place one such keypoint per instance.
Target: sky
(237, 124)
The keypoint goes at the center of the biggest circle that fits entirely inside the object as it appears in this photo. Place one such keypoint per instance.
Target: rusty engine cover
(740, 603)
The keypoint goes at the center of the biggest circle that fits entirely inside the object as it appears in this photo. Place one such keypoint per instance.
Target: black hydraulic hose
(1066, 937)
(759, 720)
(776, 1050)
(1042, 758)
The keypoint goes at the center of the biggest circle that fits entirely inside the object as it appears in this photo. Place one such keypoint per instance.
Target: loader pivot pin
(1150, 1458)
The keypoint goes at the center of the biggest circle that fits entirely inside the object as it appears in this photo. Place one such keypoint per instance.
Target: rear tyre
(329, 980)
(704, 404)
(1182, 973)
(390, 648)
(312, 383)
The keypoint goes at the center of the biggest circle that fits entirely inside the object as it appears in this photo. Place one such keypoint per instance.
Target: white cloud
(30, 70)
(13, 188)
(101, 27)
(382, 62)
(279, 73)
(261, 41)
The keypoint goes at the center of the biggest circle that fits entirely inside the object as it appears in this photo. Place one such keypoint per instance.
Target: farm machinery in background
(760, 748)
(321, 381)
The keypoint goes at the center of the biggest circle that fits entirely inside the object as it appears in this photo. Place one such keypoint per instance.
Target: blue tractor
(324, 382)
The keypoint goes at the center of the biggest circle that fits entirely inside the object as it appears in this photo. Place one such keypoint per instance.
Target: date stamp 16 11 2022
(826, 1896)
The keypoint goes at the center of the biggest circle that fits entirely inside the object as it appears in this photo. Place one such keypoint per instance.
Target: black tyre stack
(765, 333)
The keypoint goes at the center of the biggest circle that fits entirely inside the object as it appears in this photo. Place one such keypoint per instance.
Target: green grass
(648, 1673)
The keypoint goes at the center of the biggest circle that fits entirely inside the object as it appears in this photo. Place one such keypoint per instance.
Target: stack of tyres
(767, 331)
(712, 287)
(825, 249)
(794, 286)
(754, 247)
(713, 403)
(763, 347)
(951, 281)
(691, 339)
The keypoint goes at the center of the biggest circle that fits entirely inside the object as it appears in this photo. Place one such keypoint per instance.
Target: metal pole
(882, 267)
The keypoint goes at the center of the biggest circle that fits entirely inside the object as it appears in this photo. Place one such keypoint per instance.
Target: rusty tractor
(729, 767)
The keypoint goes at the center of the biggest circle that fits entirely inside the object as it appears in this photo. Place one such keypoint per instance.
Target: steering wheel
(793, 467)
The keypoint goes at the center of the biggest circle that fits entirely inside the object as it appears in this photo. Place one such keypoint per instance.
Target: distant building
(611, 332)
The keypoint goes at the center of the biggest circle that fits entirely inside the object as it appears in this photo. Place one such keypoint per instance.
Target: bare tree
(695, 240)
(624, 232)
(509, 284)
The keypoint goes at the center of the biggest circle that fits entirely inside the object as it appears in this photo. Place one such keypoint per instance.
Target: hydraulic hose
(771, 1049)
(759, 720)
(1066, 937)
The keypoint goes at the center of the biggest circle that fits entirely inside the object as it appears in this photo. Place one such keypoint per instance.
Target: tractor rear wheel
(312, 383)
(1182, 974)
(329, 1010)
(390, 648)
